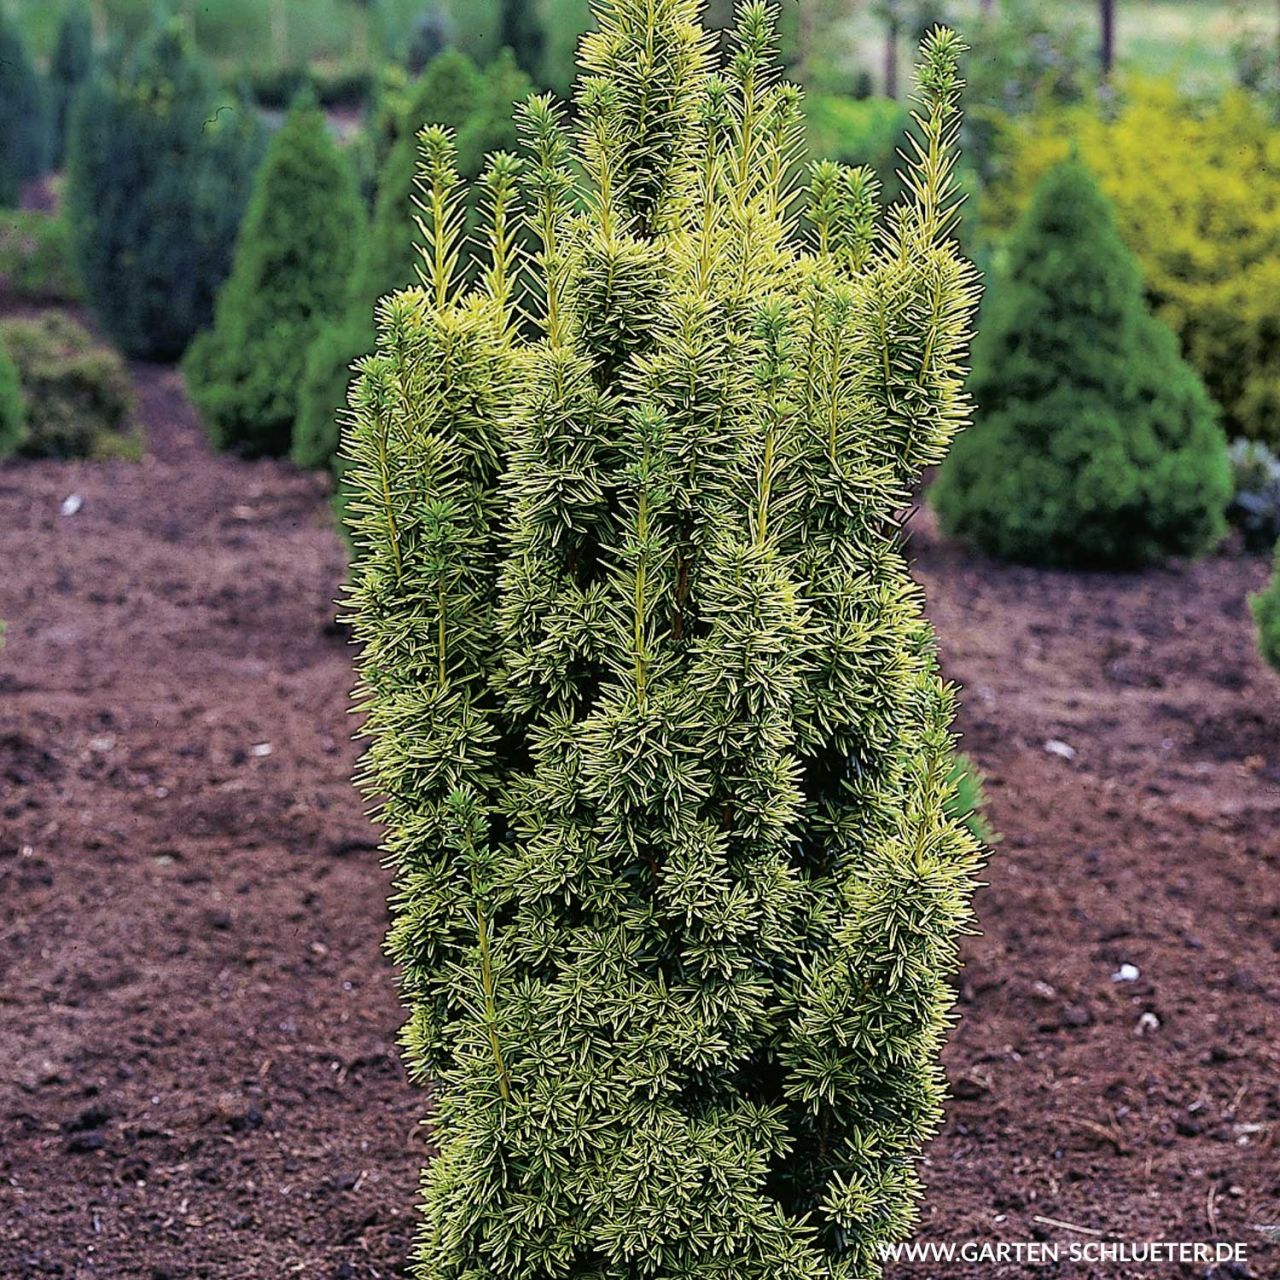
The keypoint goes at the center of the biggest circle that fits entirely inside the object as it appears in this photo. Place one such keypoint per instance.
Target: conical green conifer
(456, 95)
(662, 750)
(1095, 442)
(286, 284)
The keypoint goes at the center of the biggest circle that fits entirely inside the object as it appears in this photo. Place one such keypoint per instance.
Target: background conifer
(69, 68)
(286, 286)
(1095, 442)
(24, 122)
(664, 756)
(158, 172)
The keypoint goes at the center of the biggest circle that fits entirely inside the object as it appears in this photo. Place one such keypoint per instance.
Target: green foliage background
(1201, 210)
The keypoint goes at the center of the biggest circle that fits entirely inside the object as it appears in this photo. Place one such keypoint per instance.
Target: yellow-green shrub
(1196, 189)
(77, 392)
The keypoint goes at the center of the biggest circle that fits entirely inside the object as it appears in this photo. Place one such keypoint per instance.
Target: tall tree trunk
(1108, 45)
(892, 27)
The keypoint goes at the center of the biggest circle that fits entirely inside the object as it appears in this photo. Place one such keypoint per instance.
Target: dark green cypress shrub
(477, 107)
(13, 410)
(656, 721)
(1266, 611)
(24, 122)
(1095, 442)
(69, 68)
(158, 173)
(287, 285)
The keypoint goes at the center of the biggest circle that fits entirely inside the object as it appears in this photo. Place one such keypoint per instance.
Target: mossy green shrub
(24, 120)
(476, 106)
(159, 168)
(77, 391)
(69, 68)
(656, 720)
(287, 286)
(35, 257)
(1202, 213)
(13, 408)
(1095, 442)
(1266, 612)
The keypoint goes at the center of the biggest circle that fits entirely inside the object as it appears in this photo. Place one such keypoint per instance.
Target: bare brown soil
(198, 1073)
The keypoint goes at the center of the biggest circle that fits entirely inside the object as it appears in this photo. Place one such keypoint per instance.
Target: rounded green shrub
(288, 283)
(1266, 612)
(1095, 442)
(158, 172)
(77, 391)
(13, 408)
(24, 122)
(69, 68)
(476, 106)
(656, 722)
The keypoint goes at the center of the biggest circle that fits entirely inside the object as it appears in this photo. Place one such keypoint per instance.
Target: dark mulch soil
(198, 1073)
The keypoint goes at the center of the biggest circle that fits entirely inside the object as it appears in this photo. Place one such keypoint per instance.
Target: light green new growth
(656, 726)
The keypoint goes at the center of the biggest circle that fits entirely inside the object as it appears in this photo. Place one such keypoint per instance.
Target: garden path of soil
(198, 1072)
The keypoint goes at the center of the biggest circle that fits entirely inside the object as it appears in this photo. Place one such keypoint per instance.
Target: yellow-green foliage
(77, 392)
(1196, 189)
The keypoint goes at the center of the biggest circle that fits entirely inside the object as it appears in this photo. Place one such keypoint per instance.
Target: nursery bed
(198, 1072)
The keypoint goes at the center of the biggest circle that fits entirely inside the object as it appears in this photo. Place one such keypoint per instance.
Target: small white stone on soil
(71, 504)
(1126, 973)
(1056, 747)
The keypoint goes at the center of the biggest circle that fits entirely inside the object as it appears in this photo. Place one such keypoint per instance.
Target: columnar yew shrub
(158, 173)
(1095, 441)
(1266, 610)
(24, 124)
(663, 753)
(69, 68)
(286, 286)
